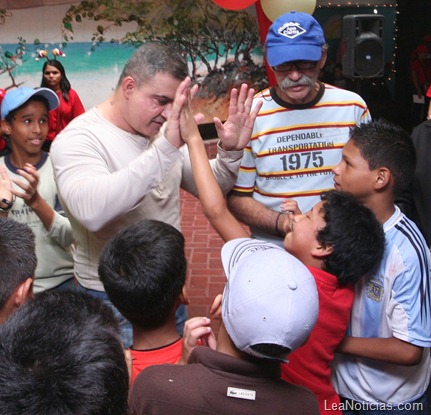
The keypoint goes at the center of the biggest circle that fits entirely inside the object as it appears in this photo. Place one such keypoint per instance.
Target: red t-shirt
(2, 143)
(310, 365)
(166, 354)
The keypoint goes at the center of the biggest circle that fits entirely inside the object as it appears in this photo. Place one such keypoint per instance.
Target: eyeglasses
(299, 65)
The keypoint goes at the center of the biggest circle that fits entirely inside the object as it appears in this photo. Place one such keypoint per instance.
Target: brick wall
(205, 274)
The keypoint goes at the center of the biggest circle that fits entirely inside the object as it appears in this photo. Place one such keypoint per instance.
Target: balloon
(234, 4)
(275, 8)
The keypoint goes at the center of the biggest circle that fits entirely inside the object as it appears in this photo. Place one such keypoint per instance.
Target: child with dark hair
(384, 361)
(29, 189)
(343, 247)
(60, 353)
(143, 271)
(339, 240)
(18, 263)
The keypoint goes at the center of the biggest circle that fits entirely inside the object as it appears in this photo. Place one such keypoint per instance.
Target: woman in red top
(54, 77)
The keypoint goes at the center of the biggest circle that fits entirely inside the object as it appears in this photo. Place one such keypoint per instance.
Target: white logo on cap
(291, 30)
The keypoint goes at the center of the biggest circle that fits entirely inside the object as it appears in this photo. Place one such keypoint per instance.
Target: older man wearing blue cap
(299, 132)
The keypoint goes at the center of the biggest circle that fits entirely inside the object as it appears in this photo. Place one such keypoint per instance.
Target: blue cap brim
(278, 54)
(19, 96)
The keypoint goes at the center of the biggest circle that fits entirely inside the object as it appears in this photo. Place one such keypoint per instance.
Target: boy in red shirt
(339, 240)
(143, 271)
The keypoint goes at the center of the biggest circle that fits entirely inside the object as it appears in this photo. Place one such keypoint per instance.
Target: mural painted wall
(97, 37)
(222, 47)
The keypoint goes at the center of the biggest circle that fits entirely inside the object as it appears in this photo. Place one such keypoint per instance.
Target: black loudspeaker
(363, 55)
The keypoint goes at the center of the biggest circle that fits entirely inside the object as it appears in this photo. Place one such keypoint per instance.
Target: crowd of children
(337, 321)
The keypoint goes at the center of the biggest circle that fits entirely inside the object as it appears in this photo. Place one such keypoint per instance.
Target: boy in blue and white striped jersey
(383, 364)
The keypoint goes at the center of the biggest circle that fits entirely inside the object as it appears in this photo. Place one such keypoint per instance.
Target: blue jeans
(125, 325)
(67, 285)
(416, 407)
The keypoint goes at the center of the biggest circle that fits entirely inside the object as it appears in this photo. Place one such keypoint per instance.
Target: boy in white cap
(300, 131)
(339, 240)
(27, 186)
(269, 308)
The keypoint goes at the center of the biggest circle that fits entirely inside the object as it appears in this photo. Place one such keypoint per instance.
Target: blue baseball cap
(19, 96)
(294, 36)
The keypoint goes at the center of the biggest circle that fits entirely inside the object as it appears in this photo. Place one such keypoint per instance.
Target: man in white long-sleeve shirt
(113, 166)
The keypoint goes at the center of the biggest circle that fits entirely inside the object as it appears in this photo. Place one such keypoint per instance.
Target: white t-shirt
(294, 147)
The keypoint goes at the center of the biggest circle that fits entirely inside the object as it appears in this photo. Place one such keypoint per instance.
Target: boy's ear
(215, 309)
(19, 296)
(184, 296)
(23, 292)
(321, 251)
(383, 178)
(5, 127)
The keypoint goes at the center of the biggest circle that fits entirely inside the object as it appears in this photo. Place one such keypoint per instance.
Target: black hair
(61, 353)
(18, 256)
(64, 82)
(143, 271)
(273, 351)
(384, 144)
(354, 234)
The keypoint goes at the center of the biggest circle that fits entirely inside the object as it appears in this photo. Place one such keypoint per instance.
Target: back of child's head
(270, 302)
(384, 144)
(143, 270)
(61, 353)
(16, 98)
(18, 256)
(354, 234)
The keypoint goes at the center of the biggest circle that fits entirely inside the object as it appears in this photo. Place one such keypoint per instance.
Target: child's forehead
(350, 143)
(31, 104)
(318, 209)
(350, 148)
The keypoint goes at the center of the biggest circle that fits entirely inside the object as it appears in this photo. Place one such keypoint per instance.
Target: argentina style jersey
(395, 302)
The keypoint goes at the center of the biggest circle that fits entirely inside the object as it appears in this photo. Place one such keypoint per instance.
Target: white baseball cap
(270, 296)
